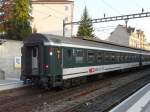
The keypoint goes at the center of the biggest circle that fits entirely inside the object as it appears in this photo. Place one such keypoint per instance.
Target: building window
(66, 8)
(66, 19)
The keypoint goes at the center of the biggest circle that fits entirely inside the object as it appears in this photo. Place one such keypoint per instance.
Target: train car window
(106, 57)
(137, 57)
(99, 57)
(126, 57)
(73, 52)
(91, 56)
(129, 58)
(79, 56)
(112, 57)
(134, 57)
(121, 58)
(143, 57)
(69, 53)
(34, 52)
(148, 58)
(118, 57)
(109, 57)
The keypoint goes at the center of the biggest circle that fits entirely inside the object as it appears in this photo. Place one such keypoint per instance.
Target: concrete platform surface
(138, 102)
(10, 84)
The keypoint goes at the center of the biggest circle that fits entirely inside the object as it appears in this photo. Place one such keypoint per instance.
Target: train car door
(56, 61)
(35, 62)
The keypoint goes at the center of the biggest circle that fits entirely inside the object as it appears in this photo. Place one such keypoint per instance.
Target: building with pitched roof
(129, 37)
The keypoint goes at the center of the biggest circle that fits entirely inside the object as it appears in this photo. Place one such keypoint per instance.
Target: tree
(86, 27)
(5, 14)
(34, 30)
(19, 25)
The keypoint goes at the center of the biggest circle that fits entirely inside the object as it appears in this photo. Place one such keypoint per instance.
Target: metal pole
(116, 18)
(63, 28)
(126, 22)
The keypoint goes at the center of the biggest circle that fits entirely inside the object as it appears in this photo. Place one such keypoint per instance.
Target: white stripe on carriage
(75, 72)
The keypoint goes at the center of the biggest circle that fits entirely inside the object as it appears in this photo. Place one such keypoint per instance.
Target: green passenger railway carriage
(49, 59)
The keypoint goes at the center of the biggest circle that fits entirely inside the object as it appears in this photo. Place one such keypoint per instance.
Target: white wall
(8, 51)
(48, 18)
(119, 36)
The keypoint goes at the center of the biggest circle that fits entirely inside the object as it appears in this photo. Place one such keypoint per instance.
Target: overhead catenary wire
(108, 26)
(106, 29)
(110, 6)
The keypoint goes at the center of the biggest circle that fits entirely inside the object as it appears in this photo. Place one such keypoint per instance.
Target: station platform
(10, 84)
(138, 102)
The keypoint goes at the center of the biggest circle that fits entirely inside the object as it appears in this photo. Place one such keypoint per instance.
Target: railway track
(31, 99)
(105, 102)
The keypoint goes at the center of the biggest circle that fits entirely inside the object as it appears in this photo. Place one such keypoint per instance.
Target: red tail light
(46, 66)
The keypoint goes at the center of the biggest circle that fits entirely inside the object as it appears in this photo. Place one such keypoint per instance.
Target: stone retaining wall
(8, 51)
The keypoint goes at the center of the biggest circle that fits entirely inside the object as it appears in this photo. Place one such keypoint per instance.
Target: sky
(97, 8)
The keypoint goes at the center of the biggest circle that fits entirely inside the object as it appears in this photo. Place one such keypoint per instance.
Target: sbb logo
(91, 70)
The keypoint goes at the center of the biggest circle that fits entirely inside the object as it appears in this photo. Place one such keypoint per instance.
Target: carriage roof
(48, 38)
